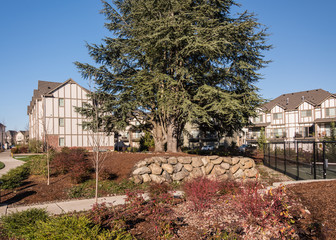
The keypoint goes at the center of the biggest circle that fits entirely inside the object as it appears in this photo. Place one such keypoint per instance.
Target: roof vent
(287, 101)
(302, 98)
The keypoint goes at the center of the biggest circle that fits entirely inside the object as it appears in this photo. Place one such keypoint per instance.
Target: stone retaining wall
(168, 169)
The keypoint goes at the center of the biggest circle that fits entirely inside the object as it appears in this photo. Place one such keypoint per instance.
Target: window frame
(327, 112)
(61, 122)
(61, 142)
(61, 100)
(277, 114)
(305, 115)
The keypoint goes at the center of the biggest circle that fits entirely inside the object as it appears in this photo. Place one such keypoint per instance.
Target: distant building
(303, 115)
(193, 137)
(52, 116)
(11, 138)
(21, 138)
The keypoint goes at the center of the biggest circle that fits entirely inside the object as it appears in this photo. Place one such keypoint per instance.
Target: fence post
(285, 159)
(324, 163)
(297, 160)
(269, 154)
(275, 156)
(264, 159)
(314, 152)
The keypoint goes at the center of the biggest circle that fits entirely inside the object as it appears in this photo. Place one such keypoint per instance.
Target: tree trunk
(159, 138)
(171, 138)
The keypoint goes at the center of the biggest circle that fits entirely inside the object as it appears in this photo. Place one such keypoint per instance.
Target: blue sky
(41, 39)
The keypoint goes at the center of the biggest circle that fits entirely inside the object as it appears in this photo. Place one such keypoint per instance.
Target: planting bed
(316, 218)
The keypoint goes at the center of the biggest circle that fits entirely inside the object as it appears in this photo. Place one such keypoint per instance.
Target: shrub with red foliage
(262, 207)
(201, 192)
(72, 161)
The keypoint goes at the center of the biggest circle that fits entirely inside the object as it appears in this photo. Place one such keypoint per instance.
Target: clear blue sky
(41, 39)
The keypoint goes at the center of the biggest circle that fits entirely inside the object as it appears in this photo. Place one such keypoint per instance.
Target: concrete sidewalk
(66, 206)
(9, 162)
(74, 205)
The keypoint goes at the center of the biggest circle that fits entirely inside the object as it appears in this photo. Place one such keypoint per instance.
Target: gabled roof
(45, 88)
(292, 101)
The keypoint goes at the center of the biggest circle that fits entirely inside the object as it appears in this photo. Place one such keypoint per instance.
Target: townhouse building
(305, 115)
(52, 116)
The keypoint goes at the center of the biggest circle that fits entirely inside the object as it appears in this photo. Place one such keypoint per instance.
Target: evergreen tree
(172, 61)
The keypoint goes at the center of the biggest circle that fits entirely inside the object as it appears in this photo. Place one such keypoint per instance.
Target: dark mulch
(319, 198)
(35, 188)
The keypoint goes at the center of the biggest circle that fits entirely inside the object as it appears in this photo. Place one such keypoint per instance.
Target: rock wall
(168, 169)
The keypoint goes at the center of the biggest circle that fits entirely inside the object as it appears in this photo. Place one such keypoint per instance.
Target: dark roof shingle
(291, 101)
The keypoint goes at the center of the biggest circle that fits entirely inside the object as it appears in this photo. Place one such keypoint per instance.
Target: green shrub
(21, 224)
(72, 227)
(146, 142)
(38, 165)
(35, 146)
(14, 177)
(2, 165)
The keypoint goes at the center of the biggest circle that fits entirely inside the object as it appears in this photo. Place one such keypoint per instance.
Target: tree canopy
(168, 62)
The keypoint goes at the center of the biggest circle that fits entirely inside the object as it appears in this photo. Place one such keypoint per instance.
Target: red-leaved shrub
(260, 206)
(72, 161)
(201, 192)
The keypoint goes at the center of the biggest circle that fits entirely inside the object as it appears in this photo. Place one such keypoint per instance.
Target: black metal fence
(302, 159)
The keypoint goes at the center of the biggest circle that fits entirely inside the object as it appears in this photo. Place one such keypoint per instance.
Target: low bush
(262, 207)
(35, 146)
(201, 191)
(87, 188)
(72, 161)
(2, 165)
(73, 227)
(15, 177)
(21, 224)
(38, 165)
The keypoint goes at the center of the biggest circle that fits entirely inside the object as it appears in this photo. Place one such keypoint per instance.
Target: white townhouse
(52, 116)
(303, 115)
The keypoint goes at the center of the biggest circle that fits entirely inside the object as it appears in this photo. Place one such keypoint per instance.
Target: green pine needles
(169, 62)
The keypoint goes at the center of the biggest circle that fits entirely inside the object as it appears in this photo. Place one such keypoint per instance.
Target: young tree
(95, 113)
(170, 61)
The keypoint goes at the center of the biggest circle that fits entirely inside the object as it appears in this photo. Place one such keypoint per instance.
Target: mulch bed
(319, 198)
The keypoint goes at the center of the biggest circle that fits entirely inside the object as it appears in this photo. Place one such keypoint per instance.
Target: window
(61, 142)
(61, 122)
(277, 116)
(61, 102)
(279, 133)
(306, 113)
(258, 119)
(331, 112)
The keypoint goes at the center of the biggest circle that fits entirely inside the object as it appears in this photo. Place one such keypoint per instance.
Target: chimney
(302, 98)
(287, 101)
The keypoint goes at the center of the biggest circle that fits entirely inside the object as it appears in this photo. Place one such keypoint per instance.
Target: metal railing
(302, 159)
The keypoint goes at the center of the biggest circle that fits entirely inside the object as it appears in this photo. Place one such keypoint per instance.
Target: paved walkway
(65, 206)
(9, 162)
(73, 205)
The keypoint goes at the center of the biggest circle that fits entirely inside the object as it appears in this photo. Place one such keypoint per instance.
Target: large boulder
(155, 168)
(141, 170)
(180, 175)
(178, 167)
(196, 162)
(184, 160)
(167, 167)
(172, 160)
(208, 168)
